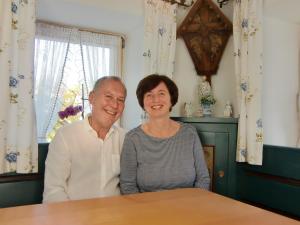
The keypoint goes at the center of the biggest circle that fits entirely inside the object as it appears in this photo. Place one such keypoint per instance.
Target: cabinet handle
(221, 173)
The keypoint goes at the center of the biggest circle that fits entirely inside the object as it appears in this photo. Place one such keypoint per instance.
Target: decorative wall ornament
(205, 31)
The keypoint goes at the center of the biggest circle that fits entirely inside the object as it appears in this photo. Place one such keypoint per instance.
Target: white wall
(107, 15)
(133, 73)
(281, 79)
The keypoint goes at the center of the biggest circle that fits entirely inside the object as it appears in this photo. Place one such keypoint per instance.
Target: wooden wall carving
(205, 31)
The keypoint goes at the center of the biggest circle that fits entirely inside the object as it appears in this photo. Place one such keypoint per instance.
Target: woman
(161, 154)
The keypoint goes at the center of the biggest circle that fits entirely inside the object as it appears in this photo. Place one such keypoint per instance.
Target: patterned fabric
(159, 37)
(247, 34)
(18, 146)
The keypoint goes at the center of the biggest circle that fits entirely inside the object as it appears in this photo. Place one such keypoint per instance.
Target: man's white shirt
(80, 165)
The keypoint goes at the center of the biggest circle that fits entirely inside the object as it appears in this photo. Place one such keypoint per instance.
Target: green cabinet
(218, 137)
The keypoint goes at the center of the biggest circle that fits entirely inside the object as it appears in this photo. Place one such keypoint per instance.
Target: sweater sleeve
(202, 176)
(57, 171)
(128, 177)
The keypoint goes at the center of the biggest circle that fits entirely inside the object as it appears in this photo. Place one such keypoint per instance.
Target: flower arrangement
(69, 111)
(207, 100)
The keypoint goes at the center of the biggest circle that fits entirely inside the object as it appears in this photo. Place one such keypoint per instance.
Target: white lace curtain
(51, 46)
(159, 37)
(247, 34)
(18, 145)
(100, 56)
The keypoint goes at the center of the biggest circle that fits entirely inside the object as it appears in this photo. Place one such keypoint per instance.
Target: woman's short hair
(152, 81)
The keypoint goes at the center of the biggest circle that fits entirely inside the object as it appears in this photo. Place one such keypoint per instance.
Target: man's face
(108, 103)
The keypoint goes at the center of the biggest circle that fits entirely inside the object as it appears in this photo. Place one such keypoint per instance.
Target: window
(67, 64)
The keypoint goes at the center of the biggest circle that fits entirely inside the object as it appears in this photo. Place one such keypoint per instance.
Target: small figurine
(228, 110)
(187, 109)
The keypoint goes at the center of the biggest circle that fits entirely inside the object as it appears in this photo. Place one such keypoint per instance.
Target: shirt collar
(92, 131)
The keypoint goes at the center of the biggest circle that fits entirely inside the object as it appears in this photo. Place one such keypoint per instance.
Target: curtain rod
(83, 29)
(180, 2)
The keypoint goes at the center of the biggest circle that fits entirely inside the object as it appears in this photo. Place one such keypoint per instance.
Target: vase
(207, 109)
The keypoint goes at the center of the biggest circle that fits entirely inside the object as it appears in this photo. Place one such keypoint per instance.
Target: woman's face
(157, 102)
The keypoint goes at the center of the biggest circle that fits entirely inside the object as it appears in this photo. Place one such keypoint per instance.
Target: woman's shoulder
(134, 131)
(187, 128)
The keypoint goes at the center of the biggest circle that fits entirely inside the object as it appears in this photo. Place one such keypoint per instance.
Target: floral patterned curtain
(18, 146)
(247, 34)
(159, 37)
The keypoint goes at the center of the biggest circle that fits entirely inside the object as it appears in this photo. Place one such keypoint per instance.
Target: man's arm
(57, 170)
(128, 181)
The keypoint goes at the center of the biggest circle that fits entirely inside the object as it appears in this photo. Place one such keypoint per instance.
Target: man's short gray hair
(101, 80)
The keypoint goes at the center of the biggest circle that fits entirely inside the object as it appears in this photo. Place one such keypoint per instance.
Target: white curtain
(247, 34)
(159, 37)
(101, 56)
(18, 145)
(52, 43)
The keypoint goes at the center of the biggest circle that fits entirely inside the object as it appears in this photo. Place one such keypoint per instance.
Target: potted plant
(206, 97)
(206, 102)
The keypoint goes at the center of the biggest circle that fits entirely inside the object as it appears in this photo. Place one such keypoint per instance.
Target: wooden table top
(176, 207)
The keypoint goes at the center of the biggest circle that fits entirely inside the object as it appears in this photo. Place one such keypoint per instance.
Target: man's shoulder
(69, 130)
(120, 130)
(72, 126)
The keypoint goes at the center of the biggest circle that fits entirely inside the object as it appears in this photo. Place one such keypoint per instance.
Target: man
(84, 157)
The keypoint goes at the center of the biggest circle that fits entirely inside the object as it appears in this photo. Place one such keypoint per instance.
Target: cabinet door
(218, 143)
(218, 136)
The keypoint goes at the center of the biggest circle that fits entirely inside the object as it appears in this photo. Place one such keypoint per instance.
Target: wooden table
(176, 207)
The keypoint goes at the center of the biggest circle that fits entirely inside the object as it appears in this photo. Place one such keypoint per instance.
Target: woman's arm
(202, 176)
(128, 180)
